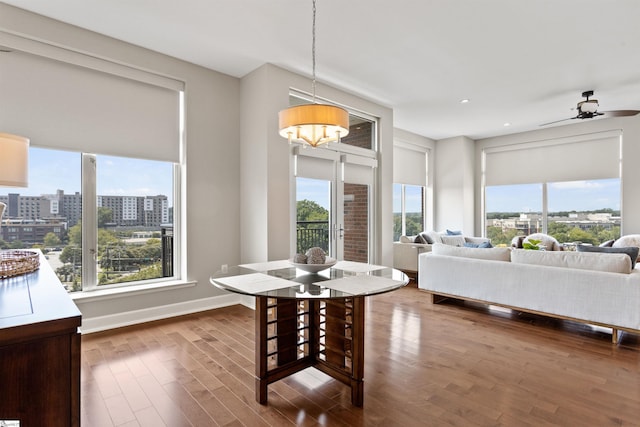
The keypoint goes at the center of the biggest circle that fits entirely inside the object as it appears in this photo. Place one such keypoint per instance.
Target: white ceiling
(524, 62)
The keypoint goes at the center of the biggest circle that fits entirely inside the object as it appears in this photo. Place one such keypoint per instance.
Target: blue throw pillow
(454, 233)
(632, 251)
(478, 245)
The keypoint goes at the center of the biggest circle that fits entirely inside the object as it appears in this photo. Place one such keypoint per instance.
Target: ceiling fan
(588, 109)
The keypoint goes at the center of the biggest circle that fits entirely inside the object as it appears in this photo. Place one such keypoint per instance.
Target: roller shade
(65, 106)
(316, 163)
(594, 156)
(409, 164)
(358, 169)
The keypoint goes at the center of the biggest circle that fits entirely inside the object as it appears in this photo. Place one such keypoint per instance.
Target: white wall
(630, 127)
(455, 185)
(212, 165)
(267, 223)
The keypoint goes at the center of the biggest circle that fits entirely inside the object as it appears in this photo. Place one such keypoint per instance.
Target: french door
(334, 199)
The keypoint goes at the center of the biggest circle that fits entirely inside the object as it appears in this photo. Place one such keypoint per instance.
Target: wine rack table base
(295, 334)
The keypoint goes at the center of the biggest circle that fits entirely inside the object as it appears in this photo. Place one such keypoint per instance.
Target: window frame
(403, 206)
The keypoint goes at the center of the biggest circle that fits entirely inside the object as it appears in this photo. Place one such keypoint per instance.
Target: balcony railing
(312, 234)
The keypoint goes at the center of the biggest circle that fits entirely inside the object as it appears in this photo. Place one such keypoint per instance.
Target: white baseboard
(118, 320)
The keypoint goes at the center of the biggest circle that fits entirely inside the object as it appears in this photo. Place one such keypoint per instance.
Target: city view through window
(133, 210)
(576, 212)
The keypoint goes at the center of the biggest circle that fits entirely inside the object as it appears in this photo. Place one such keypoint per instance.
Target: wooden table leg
(261, 315)
(357, 376)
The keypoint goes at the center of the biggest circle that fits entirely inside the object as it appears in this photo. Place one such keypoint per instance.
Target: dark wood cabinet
(39, 351)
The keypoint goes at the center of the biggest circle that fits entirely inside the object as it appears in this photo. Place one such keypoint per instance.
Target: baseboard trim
(129, 318)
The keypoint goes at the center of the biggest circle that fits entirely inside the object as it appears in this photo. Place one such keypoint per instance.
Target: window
(409, 189)
(567, 187)
(585, 211)
(408, 210)
(103, 167)
(133, 208)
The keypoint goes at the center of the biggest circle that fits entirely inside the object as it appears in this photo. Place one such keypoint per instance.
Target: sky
(562, 196)
(52, 170)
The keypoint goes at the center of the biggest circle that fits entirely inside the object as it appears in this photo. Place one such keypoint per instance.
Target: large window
(409, 189)
(106, 140)
(567, 187)
(408, 210)
(571, 211)
(131, 217)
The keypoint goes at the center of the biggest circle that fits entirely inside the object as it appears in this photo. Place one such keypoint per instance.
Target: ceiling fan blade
(558, 121)
(621, 113)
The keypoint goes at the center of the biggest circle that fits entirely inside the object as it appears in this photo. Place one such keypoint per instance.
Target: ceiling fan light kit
(588, 109)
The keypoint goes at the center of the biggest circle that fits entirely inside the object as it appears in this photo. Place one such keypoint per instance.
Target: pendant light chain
(313, 52)
(316, 123)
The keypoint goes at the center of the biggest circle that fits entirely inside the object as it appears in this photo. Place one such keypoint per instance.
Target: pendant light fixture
(314, 123)
(14, 163)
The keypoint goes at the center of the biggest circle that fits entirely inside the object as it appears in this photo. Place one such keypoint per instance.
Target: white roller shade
(316, 163)
(65, 106)
(358, 169)
(409, 164)
(594, 156)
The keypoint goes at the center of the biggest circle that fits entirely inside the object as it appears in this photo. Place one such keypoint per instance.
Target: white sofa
(593, 288)
(408, 248)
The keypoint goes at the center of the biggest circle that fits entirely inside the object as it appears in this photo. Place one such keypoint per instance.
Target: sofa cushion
(493, 254)
(612, 263)
(632, 251)
(431, 237)
(453, 240)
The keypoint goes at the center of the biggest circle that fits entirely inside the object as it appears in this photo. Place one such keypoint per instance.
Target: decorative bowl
(314, 268)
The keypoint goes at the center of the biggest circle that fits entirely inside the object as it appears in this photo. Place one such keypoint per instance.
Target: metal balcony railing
(310, 234)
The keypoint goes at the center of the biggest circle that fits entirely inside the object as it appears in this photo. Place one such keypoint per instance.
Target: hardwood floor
(448, 364)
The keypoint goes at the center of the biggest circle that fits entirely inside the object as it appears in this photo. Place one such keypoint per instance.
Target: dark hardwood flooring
(456, 364)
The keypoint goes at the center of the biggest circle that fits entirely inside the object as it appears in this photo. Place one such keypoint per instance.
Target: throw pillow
(455, 240)
(481, 245)
(632, 251)
(607, 244)
(454, 233)
(419, 239)
(431, 237)
(626, 241)
(549, 242)
(516, 242)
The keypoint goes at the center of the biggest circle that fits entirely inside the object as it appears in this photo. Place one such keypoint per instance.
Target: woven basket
(15, 263)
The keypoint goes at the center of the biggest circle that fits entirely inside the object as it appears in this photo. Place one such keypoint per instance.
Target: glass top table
(307, 319)
(280, 279)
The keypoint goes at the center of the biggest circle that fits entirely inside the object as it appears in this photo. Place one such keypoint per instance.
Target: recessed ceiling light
(507, 124)
(464, 101)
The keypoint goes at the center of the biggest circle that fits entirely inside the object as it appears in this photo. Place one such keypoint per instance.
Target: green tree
(75, 234)
(105, 216)
(16, 244)
(498, 237)
(51, 240)
(578, 235)
(308, 210)
(71, 254)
